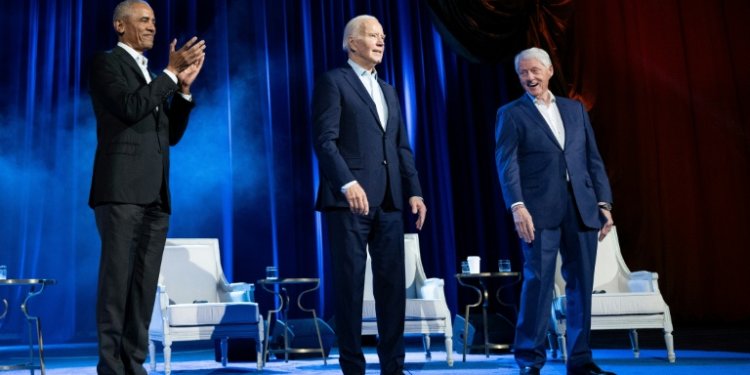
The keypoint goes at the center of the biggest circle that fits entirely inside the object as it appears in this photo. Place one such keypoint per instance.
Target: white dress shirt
(370, 81)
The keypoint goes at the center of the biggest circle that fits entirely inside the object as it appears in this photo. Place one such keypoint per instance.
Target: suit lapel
(538, 119)
(390, 102)
(129, 61)
(566, 114)
(359, 88)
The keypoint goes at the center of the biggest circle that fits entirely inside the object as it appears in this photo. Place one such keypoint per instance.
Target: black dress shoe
(527, 370)
(589, 369)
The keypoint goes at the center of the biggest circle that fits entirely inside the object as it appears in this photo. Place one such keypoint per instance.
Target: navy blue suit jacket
(351, 144)
(532, 166)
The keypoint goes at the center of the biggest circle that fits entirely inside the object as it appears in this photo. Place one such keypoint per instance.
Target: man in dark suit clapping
(367, 170)
(136, 123)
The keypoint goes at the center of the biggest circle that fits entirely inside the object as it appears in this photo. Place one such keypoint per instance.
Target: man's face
(534, 76)
(366, 46)
(138, 28)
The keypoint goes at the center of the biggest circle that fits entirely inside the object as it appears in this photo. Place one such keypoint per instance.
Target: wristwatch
(605, 206)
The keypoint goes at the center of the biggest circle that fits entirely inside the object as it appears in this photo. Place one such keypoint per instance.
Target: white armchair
(426, 309)
(195, 302)
(621, 299)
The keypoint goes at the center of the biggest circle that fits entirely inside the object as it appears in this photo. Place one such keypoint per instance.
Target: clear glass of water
(503, 265)
(272, 273)
(465, 267)
(3, 272)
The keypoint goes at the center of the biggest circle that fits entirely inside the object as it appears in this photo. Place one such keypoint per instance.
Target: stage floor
(81, 360)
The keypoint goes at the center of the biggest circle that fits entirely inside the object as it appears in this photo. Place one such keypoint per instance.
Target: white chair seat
(621, 304)
(416, 309)
(194, 314)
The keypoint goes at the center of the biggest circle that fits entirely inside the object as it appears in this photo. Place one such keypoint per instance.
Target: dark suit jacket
(351, 144)
(133, 137)
(532, 166)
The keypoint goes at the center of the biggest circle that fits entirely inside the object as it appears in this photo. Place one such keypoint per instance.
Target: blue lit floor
(81, 360)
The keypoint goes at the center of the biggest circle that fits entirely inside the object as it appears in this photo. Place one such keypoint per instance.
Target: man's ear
(119, 27)
(351, 44)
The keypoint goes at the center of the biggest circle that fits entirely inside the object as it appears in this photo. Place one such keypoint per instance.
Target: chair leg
(152, 354)
(426, 343)
(670, 346)
(167, 357)
(259, 351)
(634, 343)
(449, 350)
(550, 341)
(224, 351)
(562, 344)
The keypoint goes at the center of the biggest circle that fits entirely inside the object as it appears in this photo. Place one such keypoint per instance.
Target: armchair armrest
(238, 292)
(162, 298)
(643, 282)
(432, 288)
(159, 314)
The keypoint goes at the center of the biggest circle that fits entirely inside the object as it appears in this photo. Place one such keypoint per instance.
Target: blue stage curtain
(245, 171)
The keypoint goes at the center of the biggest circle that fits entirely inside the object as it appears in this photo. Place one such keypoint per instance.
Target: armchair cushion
(199, 314)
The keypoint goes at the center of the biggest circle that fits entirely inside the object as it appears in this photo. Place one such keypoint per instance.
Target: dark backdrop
(665, 81)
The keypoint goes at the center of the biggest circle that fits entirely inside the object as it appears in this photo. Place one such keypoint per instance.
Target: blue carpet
(81, 360)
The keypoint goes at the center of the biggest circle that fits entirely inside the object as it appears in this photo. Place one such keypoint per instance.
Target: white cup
(473, 264)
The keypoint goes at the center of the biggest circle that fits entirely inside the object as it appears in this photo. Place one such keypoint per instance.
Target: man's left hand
(187, 76)
(608, 225)
(418, 207)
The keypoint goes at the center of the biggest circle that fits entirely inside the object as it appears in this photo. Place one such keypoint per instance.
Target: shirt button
(385, 162)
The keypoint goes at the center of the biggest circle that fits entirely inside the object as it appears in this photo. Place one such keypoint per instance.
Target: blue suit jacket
(532, 166)
(351, 144)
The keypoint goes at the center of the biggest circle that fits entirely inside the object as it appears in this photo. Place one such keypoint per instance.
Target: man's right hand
(187, 55)
(524, 223)
(357, 199)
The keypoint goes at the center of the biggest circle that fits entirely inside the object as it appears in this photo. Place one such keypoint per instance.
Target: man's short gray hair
(122, 9)
(534, 53)
(355, 24)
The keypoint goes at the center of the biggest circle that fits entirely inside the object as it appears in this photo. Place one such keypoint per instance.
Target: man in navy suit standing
(554, 182)
(139, 115)
(366, 171)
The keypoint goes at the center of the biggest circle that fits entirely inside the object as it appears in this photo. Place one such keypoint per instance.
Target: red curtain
(668, 87)
(671, 89)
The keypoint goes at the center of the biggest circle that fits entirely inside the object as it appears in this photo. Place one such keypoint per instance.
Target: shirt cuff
(347, 186)
(171, 75)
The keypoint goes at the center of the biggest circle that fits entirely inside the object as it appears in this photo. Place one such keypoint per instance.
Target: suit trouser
(348, 236)
(133, 238)
(577, 246)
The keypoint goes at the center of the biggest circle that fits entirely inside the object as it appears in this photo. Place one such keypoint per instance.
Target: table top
(289, 281)
(27, 281)
(484, 275)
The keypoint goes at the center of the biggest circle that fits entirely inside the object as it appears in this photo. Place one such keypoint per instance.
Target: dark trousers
(133, 238)
(577, 246)
(348, 236)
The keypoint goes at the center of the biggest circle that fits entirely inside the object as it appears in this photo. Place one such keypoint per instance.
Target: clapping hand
(187, 56)
(187, 76)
